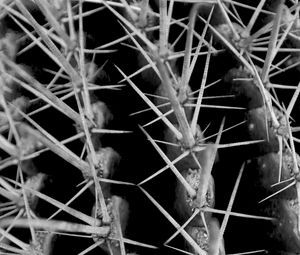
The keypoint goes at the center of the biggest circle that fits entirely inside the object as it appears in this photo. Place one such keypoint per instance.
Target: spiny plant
(179, 115)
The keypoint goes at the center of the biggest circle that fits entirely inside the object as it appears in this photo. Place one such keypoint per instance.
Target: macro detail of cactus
(149, 127)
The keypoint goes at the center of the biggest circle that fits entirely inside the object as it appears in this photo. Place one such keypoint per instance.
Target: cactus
(180, 116)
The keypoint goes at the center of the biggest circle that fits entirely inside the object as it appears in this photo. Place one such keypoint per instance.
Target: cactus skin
(264, 157)
(240, 83)
(263, 169)
(283, 234)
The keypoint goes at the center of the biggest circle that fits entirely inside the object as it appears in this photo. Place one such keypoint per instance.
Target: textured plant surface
(149, 127)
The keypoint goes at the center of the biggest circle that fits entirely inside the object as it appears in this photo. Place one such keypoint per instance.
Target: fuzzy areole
(104, 129)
